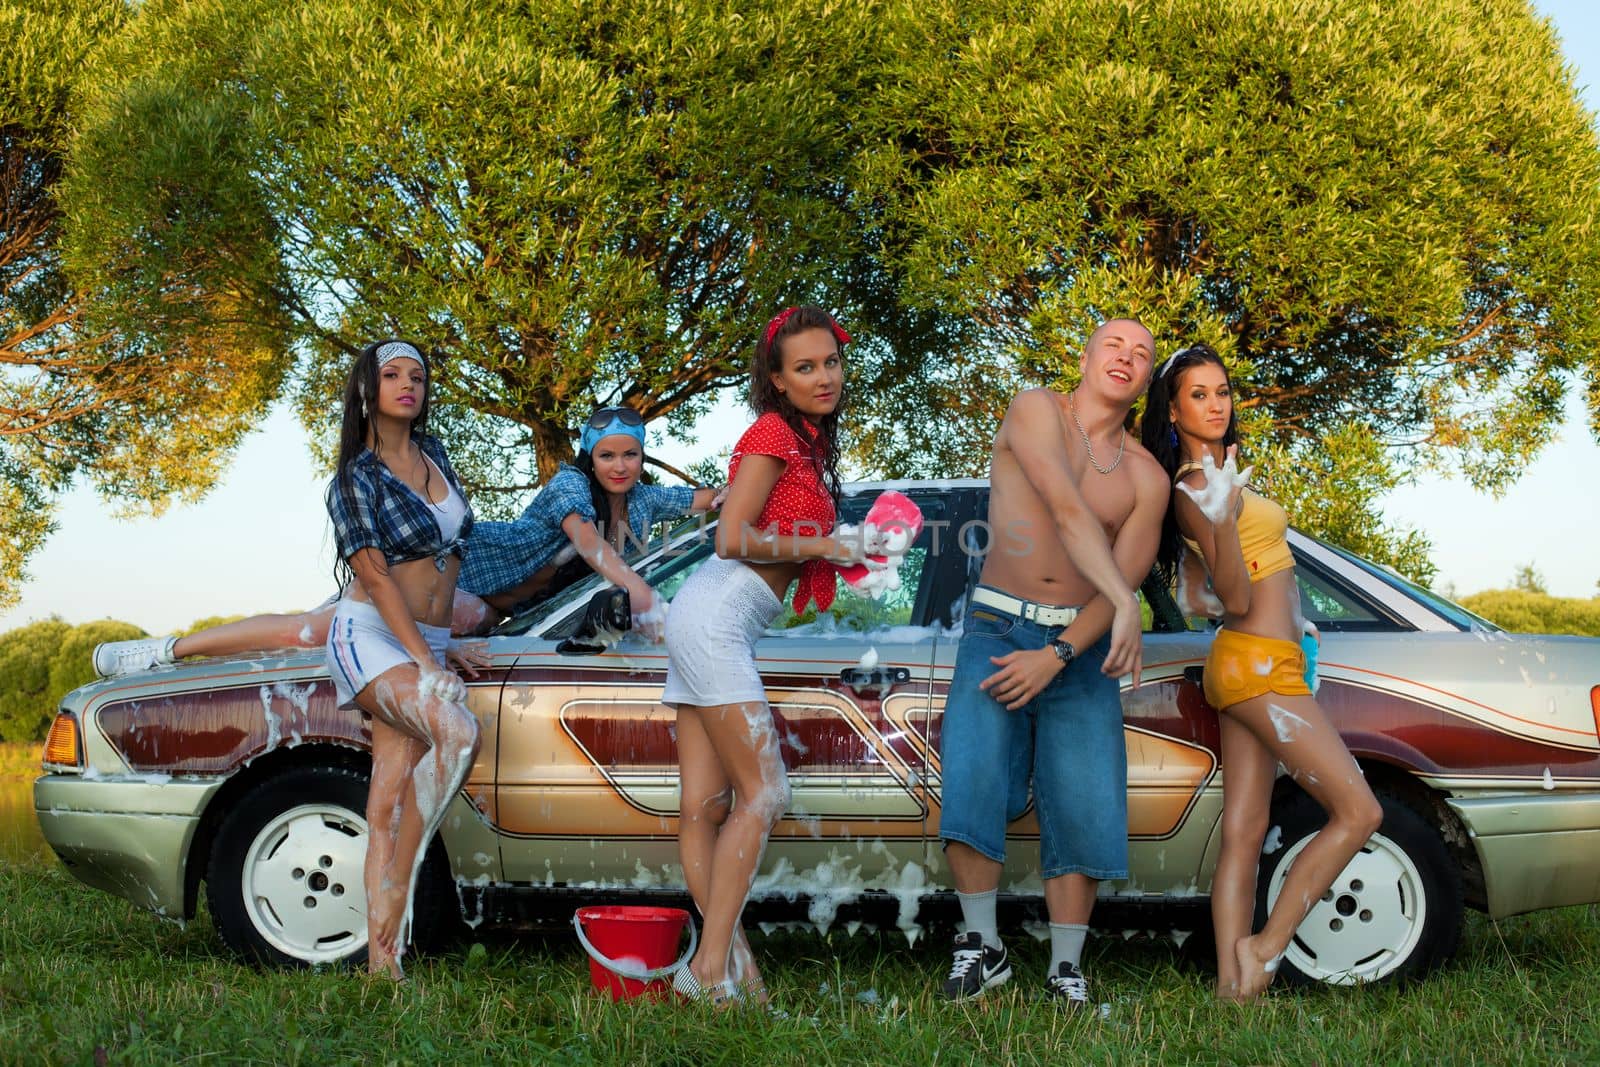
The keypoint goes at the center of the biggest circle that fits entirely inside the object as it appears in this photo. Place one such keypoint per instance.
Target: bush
(42, 662)
(1527, 612)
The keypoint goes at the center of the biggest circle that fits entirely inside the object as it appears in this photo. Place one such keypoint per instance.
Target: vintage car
(241, 774)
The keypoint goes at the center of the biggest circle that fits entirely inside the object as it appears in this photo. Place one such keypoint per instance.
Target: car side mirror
(608, 615)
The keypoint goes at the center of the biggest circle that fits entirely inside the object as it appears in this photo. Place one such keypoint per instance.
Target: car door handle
(880, 679)
(1194, 674)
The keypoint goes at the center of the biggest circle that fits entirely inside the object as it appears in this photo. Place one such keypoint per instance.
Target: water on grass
(20, 841)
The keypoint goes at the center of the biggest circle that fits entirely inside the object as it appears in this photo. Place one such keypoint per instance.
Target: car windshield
(1456, 614)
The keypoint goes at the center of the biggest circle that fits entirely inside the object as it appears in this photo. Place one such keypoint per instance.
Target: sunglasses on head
(604, 417)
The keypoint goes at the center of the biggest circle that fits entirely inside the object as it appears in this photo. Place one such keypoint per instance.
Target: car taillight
(1594, 704)
(61, 748)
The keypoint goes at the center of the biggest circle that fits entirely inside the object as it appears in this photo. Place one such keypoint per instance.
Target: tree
(144, 422)
(1382, 214)
(42, 662)
(1534, 612)
(1529, 580)
(577, 202)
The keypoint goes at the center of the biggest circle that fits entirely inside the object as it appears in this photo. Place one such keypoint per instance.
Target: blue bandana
(592, 436)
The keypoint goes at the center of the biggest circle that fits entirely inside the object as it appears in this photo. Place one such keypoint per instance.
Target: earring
(1172, 436)
(363, 407)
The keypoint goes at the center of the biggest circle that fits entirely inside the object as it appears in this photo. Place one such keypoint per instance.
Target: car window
(850, 610)
(856, 613)
(1332, 607)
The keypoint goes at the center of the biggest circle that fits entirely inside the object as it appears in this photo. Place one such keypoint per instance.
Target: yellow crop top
(1263, 532)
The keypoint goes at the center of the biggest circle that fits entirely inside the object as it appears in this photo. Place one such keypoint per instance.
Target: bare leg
(1248, 769)
(745, 744)
(971, 870)
(259, 633)
(471, 615)
(1300, 737)
(1069, 898)
(447, 735)
(705, 801)
(391, 813)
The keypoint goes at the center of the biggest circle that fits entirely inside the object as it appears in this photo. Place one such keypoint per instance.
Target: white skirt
(712, 630)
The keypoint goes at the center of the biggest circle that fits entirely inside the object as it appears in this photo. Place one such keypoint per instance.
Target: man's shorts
(1243, 666)
(1067, 741)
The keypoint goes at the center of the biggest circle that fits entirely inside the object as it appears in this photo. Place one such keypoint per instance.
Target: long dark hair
(765, 397)
(360, 394)
(1160, 438)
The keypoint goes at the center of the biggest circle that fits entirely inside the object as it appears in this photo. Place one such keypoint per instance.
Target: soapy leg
(744, 742)
(1297, 734)
(422, 776)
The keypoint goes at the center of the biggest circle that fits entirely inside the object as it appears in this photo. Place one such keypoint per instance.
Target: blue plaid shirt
(505, 554)
(371, 508)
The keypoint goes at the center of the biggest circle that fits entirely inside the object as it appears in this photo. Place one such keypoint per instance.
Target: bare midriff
(778, 576)
(429, 593)
(1274, 609)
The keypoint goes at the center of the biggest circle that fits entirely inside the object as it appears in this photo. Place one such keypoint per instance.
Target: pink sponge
(891, 525)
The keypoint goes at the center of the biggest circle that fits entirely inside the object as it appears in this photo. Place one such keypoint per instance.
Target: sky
(260, 541)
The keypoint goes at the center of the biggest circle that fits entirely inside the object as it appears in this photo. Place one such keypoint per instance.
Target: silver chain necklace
(1122, 441)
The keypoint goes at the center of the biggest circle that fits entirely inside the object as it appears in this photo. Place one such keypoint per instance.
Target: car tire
(1394, 913)
(285, 878)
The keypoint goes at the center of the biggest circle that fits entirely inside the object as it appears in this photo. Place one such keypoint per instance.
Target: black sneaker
(976, 967)
(1068, 987)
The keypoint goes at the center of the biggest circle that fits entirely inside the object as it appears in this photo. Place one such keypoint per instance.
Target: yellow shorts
(1244, 666)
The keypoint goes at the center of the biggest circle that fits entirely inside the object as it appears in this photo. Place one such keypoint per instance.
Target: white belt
(1043, 614)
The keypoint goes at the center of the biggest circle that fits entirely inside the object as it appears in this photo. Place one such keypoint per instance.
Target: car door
(587, 779)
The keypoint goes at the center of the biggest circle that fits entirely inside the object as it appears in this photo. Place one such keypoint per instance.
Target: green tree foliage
(42, 662)
(1380, 213)
(578, 202)
(146, 419)
(1527, 611)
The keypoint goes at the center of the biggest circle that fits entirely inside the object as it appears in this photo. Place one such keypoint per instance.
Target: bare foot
(1255, 970)
(381, 963)
(744, 972)
(1227, 991)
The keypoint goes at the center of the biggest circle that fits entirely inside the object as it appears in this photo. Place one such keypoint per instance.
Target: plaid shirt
(371, 508)
(505, 554)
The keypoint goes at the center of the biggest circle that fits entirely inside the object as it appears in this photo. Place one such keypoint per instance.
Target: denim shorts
(1067, 742)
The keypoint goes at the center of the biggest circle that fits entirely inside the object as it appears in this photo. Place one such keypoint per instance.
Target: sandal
(723, 994)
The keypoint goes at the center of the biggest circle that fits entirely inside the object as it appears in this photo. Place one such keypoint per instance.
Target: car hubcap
(302, 883)
(1368, 922)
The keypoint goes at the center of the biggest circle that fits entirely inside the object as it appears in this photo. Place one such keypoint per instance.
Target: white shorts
(361, 647)
(712, 629)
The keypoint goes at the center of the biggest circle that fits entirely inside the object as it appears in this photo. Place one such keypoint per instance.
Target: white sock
(1066, 944)
(977, 910)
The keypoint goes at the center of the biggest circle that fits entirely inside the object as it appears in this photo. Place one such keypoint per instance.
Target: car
(240, 775)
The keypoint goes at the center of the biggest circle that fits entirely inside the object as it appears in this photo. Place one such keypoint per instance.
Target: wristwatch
(1064, 651)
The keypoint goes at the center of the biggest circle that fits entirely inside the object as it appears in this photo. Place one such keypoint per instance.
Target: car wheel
(285, 878)
(1394, 912)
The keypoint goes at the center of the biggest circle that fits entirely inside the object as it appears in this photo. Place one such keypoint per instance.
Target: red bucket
(631, 948)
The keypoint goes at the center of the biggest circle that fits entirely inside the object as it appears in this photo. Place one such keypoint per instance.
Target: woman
(774, 532)
(400, 521)
(590, 510)
(1255, 673)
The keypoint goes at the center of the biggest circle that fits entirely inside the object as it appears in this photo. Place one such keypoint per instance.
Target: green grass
(85, 978)
(19, 761)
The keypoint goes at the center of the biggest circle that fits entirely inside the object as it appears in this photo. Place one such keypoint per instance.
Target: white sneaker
(124, 657)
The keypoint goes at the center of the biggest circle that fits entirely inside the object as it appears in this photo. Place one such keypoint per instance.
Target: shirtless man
(1075, 506)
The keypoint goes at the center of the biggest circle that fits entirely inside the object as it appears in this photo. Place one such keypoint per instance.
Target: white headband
(396, 350)
(1161, 371)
